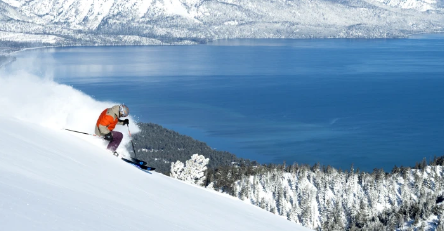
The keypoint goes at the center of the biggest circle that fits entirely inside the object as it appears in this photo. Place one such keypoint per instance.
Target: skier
(107, 122)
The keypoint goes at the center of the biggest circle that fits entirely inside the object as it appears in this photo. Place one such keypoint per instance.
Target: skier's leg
(117, 138)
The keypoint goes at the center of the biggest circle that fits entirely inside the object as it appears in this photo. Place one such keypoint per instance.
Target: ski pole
(141, 162)
(82, 133)
(134, 150)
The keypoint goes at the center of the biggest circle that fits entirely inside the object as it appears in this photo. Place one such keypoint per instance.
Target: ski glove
(108, 137)
(125, 121)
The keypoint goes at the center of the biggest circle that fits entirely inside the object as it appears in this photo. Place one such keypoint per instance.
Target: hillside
(51, 179)
(318, 197)
(160, 147)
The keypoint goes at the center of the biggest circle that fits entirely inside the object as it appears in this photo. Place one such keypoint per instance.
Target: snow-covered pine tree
(193, 171)
(177, 170)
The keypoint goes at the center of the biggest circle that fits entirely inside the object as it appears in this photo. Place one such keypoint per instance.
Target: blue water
(371, 103)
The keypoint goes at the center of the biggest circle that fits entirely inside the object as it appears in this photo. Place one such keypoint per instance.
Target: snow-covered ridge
(51, 179)
(313, 197)
(116, 22)
(421, 5)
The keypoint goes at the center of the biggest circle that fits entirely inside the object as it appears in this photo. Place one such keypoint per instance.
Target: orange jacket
(107, 121)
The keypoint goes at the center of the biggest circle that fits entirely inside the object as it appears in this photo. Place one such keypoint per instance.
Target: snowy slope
(51, 179)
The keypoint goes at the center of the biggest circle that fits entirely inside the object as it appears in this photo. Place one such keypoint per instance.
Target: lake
(371, 103)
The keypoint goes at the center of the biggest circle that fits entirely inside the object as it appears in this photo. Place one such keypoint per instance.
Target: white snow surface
(51, 179)
(49, 39)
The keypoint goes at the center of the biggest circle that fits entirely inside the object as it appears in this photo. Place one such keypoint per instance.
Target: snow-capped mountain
(99, 22)
(51, 179)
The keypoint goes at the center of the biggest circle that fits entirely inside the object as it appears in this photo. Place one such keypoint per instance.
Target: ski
(143, 167)
(139, 162)
(134, 160)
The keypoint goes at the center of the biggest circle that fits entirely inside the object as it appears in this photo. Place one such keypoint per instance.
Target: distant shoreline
(6, 51)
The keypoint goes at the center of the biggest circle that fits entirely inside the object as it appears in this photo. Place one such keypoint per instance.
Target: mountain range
(27, 23)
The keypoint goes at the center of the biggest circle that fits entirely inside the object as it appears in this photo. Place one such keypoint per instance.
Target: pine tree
(280, 199)
(295, 212)
(305, 210)
(440, 226)
(193, 171)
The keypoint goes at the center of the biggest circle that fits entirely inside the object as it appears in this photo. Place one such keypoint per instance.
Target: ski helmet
(124, 110)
